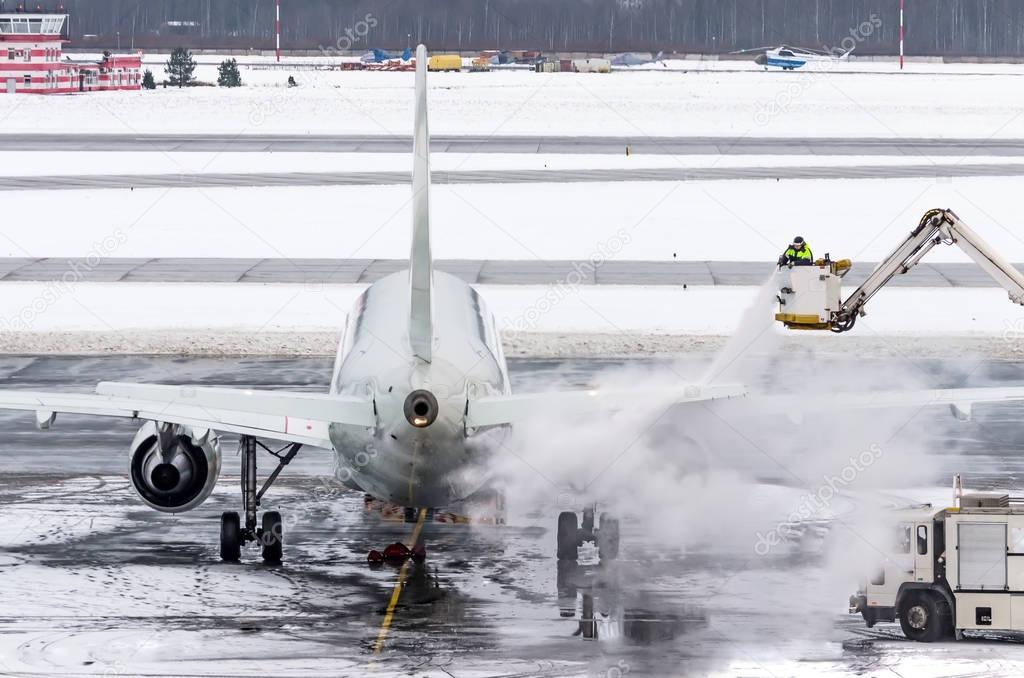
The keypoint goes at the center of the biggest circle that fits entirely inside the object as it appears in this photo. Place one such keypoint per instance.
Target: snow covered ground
(607, 309)
(653, 221)
(947, 101)
(725, 220)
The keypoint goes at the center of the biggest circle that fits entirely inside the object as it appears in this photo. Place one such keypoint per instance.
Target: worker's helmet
(799, 240)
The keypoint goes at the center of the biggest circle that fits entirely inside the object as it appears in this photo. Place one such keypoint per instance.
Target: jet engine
(174, 468)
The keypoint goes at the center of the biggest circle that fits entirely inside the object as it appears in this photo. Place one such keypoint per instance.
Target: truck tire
(922, 618)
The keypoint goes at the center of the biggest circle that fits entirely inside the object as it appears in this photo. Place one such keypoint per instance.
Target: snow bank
(625, 309)
(946, 102)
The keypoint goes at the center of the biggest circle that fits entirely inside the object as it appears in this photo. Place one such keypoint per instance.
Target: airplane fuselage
(430, 466)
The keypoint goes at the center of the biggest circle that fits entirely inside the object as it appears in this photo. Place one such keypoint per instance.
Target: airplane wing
(732, 399)
(290, 417)
(960, 401)
(509, 409)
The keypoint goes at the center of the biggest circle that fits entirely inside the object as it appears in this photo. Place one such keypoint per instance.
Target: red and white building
(32, 60)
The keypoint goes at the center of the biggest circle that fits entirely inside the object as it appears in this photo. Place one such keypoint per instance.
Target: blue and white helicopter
(379, 56)
(790, 58)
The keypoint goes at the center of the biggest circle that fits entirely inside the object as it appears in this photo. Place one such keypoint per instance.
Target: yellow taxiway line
(397, 591)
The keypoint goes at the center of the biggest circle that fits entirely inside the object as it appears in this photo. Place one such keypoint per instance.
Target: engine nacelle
(174, 468)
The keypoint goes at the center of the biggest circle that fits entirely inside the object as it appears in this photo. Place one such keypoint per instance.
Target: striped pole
(901, 34)
(277, 29)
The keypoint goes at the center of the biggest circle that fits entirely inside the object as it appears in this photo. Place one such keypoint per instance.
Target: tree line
(934, 27)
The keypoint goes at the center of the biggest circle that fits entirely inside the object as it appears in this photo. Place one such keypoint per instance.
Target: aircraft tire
(230, 537)
(568, 536)
(272, 538)
(608, 538)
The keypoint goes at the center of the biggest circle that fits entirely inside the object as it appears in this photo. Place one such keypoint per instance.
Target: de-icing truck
(811, 296)
(951, 570)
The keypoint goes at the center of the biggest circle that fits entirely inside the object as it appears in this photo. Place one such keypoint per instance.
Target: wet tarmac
(472, 271)
(930, 170)
(93, 583)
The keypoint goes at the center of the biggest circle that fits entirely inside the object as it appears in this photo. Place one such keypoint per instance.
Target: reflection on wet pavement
(92, 583)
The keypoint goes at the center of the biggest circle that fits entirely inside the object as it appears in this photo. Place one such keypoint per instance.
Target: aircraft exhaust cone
(421, 408)
(166, 477)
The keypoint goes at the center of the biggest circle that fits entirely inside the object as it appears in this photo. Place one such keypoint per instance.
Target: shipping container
(592, 65)
(445, 62)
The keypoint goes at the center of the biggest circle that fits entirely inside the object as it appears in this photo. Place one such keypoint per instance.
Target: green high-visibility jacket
(803, 256)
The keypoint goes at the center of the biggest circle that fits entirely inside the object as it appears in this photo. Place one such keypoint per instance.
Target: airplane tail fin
(421, 274)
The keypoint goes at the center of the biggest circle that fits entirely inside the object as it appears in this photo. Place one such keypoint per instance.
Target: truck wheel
(921, 618)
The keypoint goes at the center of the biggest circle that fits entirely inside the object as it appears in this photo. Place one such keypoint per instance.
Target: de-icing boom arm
(936, 227)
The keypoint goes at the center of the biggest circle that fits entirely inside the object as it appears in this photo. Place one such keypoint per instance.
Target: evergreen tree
(228, 75)
(180, 67)
(147, 80)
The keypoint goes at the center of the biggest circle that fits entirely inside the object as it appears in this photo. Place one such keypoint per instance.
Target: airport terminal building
(32, 60)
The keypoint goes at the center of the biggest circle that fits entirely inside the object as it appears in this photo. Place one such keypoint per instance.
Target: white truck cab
(951, 570)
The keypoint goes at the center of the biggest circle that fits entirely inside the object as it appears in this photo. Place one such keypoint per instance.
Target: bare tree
(934, 27)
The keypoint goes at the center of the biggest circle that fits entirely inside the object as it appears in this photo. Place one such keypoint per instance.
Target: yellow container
(445, 62)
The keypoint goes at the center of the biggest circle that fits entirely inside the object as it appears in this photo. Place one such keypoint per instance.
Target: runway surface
(473, 271)
(640, 144)
(93, 583)
(383, 178)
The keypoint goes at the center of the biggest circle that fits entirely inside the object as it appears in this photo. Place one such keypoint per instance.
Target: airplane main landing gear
(571, 535)
(271, 533)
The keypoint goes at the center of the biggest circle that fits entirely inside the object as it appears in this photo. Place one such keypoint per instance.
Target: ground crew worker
(798, 254)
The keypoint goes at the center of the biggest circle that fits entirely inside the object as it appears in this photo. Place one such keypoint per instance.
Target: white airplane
(418, 405)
